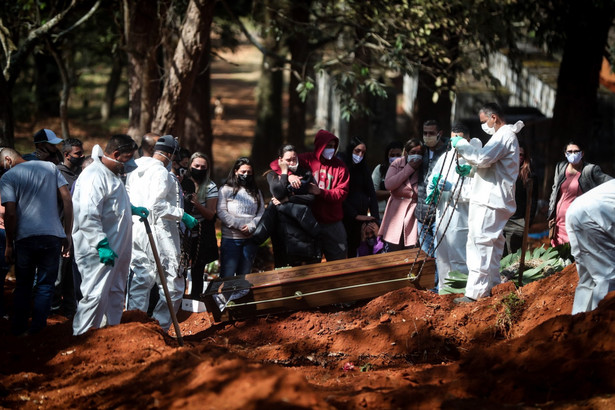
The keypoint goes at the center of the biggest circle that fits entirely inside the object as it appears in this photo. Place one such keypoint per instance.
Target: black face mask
(76, 161)
(198, 175)
(244, 179)
(371, 241)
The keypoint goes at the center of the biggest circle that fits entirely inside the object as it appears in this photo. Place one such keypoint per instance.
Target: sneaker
(463, 300)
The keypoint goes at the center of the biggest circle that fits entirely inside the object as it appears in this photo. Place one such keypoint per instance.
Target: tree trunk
(577, 84)
(65, 93)
(106, 109)
(46, 86)
(171, 112)
(7, 125)
(299, 50)
(425, 109)
(142, 33)
(198, 135)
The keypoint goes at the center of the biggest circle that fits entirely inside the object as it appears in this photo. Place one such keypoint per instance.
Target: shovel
(163, 280)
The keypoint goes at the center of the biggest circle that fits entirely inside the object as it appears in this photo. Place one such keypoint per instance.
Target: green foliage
(510, 309)
(539, 263)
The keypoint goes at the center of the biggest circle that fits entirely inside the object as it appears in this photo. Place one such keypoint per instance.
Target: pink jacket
(402, 180)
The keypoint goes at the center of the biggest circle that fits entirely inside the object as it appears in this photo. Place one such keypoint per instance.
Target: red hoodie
(332, 178)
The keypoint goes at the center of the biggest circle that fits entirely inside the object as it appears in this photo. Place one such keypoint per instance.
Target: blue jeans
(236, 256)
(428, 243)
(34, 256)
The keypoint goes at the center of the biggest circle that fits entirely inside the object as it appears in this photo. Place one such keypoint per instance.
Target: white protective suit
(491, 205)
(153, 187)
(102, 210)
(452, 219)
(590, 223)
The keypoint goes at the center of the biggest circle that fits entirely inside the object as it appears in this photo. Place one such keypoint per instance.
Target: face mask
(489, 130)
(574, 158)
(371, 241)
(356, 158)
(127, 166)
(430, 140)
(414, 157)
(198, 175)
(76, 161)
(244, 179)
(391, 159)
(328, 153)
(293, 168)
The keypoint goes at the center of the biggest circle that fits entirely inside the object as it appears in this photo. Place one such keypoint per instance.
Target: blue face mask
(356, 158)
(574, 158)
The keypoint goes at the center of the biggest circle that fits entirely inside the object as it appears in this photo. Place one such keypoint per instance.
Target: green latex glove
(434, 186)
(455, 140)
(463, 170)
(189, 220)
(139, 211)
(105, 253)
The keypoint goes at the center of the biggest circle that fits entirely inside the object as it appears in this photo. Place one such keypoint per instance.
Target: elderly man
(103, 234)
(492, 201)
(35, 237)
(153, 187)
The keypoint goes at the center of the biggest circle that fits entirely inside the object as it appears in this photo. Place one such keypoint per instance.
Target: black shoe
(465, 299)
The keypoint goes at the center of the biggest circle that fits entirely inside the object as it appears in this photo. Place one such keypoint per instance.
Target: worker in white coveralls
(493, 199)
(450, 186)
(153, 187)
(102, 234)
(590, 223)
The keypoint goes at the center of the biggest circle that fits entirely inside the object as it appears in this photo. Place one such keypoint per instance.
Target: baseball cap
(167, 143)
(45, 135)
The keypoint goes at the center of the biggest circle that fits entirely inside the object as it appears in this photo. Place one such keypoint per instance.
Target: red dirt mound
(407, 348)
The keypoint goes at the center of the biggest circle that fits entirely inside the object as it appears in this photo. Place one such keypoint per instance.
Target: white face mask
(327, 153)
(489, 130)
(391, 159)
(574, 158)
(293, 168)
(356, 158)
(414, 157)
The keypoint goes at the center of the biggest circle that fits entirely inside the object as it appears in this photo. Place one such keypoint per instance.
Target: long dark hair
(384, 166)
(525, 167)
(354, 142)
(250, 187)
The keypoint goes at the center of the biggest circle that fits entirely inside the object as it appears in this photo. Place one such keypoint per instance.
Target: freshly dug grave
(407, 348)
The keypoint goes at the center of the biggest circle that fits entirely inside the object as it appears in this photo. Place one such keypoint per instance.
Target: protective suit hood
(321, 140)
(145, 164)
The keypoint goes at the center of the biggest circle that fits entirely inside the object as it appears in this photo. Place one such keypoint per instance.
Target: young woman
(572, 177)
(399, 226)
(361, 198)
(391, 153)
(201, 200)
(240, 207)
(288, 219)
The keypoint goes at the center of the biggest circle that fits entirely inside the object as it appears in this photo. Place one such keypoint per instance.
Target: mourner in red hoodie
(330, 190)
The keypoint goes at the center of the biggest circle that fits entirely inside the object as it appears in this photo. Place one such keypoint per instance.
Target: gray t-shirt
(33, 186)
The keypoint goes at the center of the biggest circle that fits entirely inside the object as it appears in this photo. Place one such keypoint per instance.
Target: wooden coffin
(310, 286)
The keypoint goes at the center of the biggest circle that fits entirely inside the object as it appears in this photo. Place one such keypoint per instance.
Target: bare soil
(405, 349)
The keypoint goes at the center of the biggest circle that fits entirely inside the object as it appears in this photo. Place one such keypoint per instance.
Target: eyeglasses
(573, 151)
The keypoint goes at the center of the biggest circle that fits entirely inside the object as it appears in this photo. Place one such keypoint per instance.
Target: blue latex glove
(105, 253)
(435, 186)
(139, 211)
(189, 220)
(455, 140)
(463, 170)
